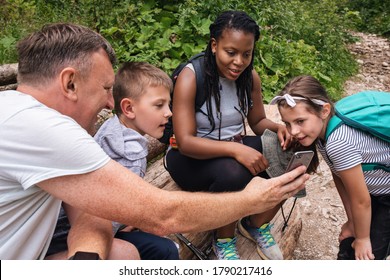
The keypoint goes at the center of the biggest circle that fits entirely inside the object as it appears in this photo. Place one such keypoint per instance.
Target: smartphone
(298, 159)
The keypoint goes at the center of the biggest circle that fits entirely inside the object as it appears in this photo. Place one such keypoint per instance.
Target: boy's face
(151, 112)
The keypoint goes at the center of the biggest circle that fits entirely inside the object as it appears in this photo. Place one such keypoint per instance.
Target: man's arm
(114, 193)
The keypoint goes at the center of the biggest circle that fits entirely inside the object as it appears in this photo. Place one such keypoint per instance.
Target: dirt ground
(322, 210)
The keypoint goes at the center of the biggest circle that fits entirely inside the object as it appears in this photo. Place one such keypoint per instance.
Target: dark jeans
(379, 232)
(222, 174)
(151, 247)
(380, 226)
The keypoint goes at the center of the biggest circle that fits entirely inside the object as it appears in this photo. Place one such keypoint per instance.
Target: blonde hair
(133, 78)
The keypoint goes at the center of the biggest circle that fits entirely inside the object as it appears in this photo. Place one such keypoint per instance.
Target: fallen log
(8, 73)
(8, 87)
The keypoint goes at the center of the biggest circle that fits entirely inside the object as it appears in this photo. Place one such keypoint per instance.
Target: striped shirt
(347, 147)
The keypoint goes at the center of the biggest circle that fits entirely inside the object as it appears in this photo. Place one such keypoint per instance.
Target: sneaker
(225, 248)
(267, 248)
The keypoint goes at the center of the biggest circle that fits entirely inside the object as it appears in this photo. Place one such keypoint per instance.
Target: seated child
(142, 95)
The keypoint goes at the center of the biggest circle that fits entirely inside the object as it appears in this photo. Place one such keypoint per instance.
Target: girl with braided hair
(213, 152)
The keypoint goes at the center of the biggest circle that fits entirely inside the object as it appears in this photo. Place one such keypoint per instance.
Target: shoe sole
(247, 235)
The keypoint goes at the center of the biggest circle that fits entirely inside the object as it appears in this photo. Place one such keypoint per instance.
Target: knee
(231, 181)
(166, 249)
(123, 250)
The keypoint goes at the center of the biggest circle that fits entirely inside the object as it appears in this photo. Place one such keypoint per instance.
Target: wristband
(79, 255)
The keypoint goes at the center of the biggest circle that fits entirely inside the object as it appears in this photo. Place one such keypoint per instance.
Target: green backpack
(368, 111)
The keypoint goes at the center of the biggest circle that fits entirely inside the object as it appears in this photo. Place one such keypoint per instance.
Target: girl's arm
(360, 207)
(201, 148)
(257, 118)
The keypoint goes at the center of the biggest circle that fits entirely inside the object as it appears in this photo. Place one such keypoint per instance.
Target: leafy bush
(374, 15)
(297, 36)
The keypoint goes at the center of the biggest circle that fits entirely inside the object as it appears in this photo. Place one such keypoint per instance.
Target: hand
(363, 249)
(284, 137)
(253, 160)
(268, 193)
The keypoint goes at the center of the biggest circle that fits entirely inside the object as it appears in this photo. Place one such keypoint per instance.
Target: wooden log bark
(155, 148)
(8, 87)
(8, 73)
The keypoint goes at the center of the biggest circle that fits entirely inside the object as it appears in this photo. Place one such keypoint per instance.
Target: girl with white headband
(305, 108)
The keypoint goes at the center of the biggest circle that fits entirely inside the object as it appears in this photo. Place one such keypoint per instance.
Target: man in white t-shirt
(48, 156)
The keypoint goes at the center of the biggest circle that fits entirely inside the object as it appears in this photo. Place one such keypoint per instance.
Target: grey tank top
(231, 122)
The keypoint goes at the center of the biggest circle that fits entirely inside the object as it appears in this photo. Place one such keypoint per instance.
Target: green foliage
(297, 36)
(374, 15)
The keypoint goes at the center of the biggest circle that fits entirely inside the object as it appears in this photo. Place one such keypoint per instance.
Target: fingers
(259, 166)
(290, 176)
(294, 181)
(286, 143)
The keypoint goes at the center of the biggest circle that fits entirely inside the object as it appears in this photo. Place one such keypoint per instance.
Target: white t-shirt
(36, 143)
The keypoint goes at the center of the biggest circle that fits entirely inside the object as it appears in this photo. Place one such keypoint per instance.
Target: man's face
(95, 92)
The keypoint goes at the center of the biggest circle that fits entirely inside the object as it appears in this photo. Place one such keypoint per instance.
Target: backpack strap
(333, 123)
(198, 63)
(375, 166)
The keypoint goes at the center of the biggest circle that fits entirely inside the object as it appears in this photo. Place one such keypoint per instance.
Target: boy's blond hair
(133, 79)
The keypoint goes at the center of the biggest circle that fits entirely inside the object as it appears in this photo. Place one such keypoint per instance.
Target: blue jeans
(150, 247)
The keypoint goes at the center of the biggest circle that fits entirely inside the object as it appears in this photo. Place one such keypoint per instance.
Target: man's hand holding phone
(298, 159)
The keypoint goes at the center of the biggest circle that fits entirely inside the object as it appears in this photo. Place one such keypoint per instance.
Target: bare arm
(88, 233)
(185, 123)
(359, 201)
(114, 193)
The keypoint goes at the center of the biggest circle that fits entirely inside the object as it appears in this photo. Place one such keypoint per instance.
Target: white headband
(290, 100)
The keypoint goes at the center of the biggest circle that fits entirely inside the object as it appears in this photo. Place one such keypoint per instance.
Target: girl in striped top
(305, 108)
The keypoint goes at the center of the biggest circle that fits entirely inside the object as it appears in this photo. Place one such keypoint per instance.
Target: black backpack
(198, 63)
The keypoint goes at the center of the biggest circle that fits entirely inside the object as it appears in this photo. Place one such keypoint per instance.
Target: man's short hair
(43, 54)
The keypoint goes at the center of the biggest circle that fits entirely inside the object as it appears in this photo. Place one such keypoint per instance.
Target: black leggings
(222, 174)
